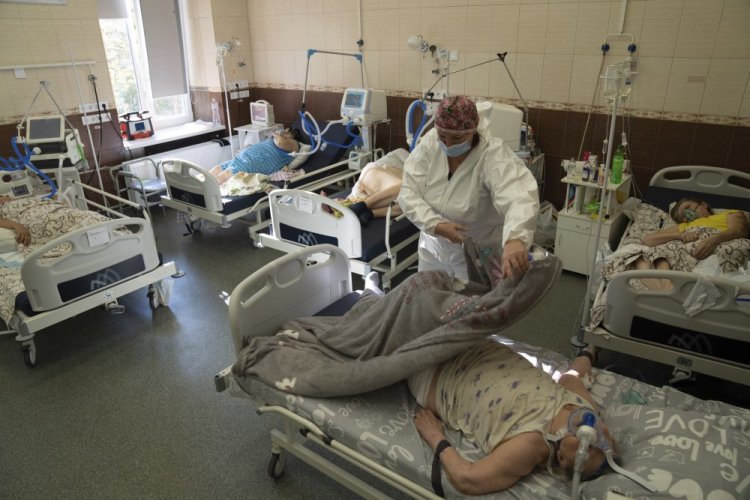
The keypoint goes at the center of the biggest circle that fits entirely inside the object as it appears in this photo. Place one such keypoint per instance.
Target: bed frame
(192, 190)
(102, 265)
(308, 279)
(651, 324)
(298, 219)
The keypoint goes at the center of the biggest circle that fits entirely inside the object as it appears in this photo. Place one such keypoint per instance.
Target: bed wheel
(276, 465)
(29, 353)
(153, 298)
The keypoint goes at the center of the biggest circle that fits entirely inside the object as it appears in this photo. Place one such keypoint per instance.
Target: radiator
(206, 154)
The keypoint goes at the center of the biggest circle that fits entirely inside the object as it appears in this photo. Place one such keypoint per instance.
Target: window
(146, 80)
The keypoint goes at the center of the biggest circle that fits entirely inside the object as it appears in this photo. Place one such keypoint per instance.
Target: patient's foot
(372, 283)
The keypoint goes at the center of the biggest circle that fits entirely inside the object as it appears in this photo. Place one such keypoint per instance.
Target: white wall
(694, 55)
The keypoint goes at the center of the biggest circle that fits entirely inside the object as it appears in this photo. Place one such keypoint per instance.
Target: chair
(142, 180)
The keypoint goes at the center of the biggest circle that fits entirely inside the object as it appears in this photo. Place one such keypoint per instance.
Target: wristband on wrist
(437, 486)
(587, 354)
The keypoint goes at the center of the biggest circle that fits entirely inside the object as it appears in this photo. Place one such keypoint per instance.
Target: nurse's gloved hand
(451, 231)
(515, 259)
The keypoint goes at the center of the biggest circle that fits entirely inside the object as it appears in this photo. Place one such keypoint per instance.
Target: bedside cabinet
(575, 239)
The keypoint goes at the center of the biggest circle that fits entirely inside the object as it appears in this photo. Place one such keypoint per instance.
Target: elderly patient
(264, 157)
(514, 412)
(697, 222)
(377, 187)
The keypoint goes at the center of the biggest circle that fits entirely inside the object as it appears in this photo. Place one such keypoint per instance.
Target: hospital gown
(264, 157)
(491, 394)
(492, 193)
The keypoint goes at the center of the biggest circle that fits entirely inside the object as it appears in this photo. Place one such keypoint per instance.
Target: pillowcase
(299, 160)
(685, 453)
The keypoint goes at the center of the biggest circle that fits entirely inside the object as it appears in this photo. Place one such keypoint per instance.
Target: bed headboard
(286, 288)
(720, 187)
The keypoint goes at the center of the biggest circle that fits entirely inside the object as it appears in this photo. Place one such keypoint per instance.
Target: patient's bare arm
(23, 236)
(509, 462)
(738, 228)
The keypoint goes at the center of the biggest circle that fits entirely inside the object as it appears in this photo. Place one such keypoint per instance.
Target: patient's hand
(689, 236)
(23, 236)
(429, 426)
(705, 248)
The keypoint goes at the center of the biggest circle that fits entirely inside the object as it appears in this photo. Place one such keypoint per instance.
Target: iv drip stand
(577, 340)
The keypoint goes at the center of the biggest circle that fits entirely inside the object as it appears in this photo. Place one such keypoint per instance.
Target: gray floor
(124, 406)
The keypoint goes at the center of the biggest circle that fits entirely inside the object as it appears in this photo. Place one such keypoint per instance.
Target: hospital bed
(192, 190)
(302, 218)
(652, 324)
(84, 260)
(375, 435)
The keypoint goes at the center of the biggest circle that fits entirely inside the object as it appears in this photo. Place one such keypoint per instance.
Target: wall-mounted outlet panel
(92, 107)
(234, 94)
(243, 84)
(93, 119)
(244, 93)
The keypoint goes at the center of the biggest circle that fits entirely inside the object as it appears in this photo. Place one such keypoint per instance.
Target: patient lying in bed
(698, 234)
(377, 187)
(265, 157)
(514, 411)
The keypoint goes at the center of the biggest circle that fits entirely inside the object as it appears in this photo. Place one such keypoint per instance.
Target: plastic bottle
(215, 118)
(617, 164)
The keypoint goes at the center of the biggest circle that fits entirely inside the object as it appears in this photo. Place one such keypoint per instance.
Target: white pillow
(299, 160)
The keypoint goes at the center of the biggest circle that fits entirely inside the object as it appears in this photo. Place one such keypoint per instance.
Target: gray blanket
(384, 339)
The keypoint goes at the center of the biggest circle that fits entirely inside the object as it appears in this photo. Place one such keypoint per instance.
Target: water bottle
(617, 163)
(215, 119)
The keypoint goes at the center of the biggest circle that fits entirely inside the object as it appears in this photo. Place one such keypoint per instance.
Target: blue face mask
(690, 215)
(456, 149)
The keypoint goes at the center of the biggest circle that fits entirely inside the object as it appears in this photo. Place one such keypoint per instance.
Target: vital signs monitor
(364, 106)
(44, 129)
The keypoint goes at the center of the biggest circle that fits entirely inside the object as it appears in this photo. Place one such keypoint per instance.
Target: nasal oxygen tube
(588, 434)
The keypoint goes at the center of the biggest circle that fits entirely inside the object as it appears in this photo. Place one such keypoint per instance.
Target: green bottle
(617, 162)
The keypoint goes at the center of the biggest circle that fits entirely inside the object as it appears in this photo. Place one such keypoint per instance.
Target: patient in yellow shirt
(692, 214)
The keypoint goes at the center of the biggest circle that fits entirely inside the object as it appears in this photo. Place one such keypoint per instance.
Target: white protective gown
(492, 193)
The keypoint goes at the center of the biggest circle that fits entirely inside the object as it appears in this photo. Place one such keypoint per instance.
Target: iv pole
(577, 340)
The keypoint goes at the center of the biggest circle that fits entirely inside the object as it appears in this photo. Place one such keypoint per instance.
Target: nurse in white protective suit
(460, 181)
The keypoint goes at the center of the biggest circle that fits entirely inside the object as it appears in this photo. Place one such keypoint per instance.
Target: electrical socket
(234, 94)
(91, 107)
(94, 119)
(244, 93)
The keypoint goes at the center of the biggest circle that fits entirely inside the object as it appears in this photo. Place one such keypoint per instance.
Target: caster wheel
(29, 355)
(153, 298)
(195, 225)
(276, 465)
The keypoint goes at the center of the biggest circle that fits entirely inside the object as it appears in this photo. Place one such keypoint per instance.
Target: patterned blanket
(732, 255)
(384, 339)
(46, 219)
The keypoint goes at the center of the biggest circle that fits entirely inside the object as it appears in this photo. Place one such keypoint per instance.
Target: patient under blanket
(384, 339)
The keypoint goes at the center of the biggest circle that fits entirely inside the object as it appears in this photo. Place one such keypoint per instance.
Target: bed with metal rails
(387, 245)
(648, 323)
(192, 190)
(78, 260)
(374, 432)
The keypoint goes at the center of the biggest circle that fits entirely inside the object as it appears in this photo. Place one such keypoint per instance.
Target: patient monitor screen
(45, 129)
(354, 100)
